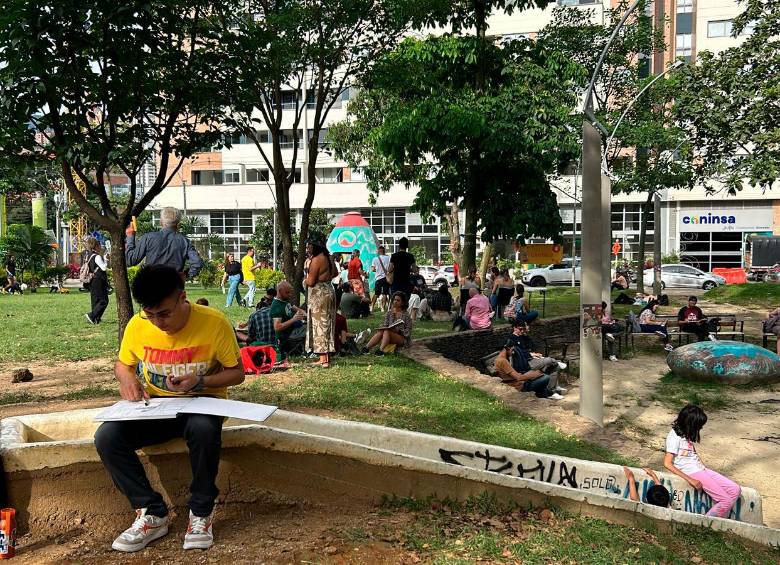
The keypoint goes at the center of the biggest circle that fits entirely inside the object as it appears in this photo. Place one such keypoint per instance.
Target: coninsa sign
(708, 218)
(746, 219)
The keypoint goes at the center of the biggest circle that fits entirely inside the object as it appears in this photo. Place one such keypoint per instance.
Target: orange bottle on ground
(7, 533)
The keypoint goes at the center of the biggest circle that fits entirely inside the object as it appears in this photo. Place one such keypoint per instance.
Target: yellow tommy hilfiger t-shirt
(204, 346)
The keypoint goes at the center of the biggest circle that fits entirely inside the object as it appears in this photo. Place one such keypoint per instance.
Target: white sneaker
(89, 319)
(199, 534)
(612, 358)
(562, 365)
(144, 530)
(668, 347)
(712, 337)
(660, 333)
(555, 396)
(561, 390)
(610, 337)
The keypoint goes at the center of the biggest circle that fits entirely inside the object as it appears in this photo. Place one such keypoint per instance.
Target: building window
(231, 223)
(330, 174)
(287, 139)
(206, 178)
(263, 136)
(389, 221)
(235, 138)
(684, 6)
(296, 175)
(683, 45)
(684, 23)
(257, 175)
(231, 176)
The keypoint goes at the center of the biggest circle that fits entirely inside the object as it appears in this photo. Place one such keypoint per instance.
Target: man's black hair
(658, 495)
(403, 243)
(508, 344)
(519, 323)
(692, 298)
(155, 283)
(271, 290)
(689, 422)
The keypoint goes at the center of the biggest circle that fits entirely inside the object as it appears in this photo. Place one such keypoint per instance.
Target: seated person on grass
(396, 330)
(518, 307)
(524, 379)
(438, 304)
(478, 313)
(525, 355)
(351, 304)
(692, 320)
(265, 301)
(260, 330)
(171, 348)
(288, 320)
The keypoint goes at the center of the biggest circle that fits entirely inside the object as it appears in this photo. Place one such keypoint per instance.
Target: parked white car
(684, 276)
(558, 273)
(445, 274)
(428, 272)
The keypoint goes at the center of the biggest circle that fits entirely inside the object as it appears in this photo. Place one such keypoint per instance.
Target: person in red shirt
(355, 274)
(691, 319)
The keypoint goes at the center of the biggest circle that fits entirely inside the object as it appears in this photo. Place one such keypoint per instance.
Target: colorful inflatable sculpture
(353, 232)
(730, 362)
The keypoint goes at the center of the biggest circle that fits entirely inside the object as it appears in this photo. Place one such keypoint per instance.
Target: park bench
(670, 320)
(766, 337)
(727, 327)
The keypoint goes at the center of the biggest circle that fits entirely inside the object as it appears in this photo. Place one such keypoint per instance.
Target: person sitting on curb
(656, 494)
(524, 379)
(525, 355)
(171, 348)
(692, 320)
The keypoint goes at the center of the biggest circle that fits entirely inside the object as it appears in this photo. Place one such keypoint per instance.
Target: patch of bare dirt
(278, 530)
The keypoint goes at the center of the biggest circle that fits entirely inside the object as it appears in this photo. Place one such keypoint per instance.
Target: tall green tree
(731, 105)
(101, 86)
(649, 152)
(487, 145)
(315, 51)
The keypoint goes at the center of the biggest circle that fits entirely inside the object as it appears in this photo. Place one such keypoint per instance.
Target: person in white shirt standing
(381, 287)
(98, 286)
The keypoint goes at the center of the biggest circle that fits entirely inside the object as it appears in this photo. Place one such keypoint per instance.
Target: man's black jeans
(117, 442)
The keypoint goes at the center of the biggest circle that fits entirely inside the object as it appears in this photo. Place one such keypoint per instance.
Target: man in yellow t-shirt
(248, 268)
(170, 348)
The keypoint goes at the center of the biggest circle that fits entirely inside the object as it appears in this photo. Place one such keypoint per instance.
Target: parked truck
(764, 257)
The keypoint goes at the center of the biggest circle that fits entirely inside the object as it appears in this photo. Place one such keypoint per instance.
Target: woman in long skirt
(321, 330)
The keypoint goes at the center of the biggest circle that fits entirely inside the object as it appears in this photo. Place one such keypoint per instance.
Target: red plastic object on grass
(258, 359)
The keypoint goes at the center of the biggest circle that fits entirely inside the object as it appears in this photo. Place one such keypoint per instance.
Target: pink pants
(723, 491)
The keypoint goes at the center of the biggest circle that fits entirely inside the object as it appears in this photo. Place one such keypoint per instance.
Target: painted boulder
(731, 362)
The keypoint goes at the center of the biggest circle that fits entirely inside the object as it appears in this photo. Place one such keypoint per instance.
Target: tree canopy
(422, 119)
(731, 105)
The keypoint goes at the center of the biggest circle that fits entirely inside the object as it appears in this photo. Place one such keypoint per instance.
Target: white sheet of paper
(158, 409)
(229, 408)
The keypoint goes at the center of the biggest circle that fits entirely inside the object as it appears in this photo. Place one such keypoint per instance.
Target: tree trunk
(483, 265)
(311, 183)
(640, 261)
(453, 223)
(124, 300)
(470, 236)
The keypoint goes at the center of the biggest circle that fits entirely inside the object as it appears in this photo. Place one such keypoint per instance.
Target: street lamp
(595, 253)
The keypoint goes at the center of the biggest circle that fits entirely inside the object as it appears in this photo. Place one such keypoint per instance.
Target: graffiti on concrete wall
(562, 472)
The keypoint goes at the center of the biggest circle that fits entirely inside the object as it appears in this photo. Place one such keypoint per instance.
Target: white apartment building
(229, 189)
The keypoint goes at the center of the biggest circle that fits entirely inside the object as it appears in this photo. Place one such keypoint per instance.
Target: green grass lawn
(758, 295)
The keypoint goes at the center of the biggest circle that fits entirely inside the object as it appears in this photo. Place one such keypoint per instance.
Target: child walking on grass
(682, 460)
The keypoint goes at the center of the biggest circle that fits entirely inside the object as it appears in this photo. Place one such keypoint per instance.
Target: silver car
(684, 276)
(428, 272)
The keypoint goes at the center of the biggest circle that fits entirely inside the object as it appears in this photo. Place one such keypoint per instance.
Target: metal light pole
(594, 247)
(657, 245)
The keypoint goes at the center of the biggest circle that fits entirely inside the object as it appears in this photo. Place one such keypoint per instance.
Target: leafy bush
(419, 255)
(131, 273)
(53, 274)
(210, 274)
(672, 258)
(267, 278)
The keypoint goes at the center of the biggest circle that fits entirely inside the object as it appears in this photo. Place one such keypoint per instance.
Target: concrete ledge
(325, 460)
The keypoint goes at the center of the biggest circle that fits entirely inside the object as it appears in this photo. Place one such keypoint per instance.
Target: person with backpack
(93, 275)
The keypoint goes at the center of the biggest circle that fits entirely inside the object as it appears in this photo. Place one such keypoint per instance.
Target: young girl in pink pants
(682, 460)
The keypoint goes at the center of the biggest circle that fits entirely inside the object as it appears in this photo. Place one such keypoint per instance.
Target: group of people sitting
(480, 310)
(519, 365)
